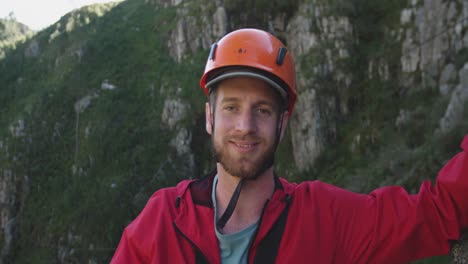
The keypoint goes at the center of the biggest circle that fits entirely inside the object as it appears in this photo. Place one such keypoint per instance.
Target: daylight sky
(38, 14)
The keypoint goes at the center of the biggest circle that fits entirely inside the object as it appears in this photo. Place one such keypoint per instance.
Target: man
(243, 213)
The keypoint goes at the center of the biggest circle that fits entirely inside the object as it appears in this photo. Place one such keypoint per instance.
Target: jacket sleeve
(127, 251)
(139, 237)
(391, 226)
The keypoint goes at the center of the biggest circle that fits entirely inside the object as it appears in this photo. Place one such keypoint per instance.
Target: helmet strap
(212, 121)
(279, 127)
(231, 206)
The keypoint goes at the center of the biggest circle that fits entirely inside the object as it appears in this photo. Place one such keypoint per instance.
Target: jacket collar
(195, 218)
(201, 189)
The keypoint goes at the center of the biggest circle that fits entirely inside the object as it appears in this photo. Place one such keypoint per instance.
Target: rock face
(322, 38)
(194, 32)
(175, 111)
(8, 196)
(433, 37)
(456, 106)
(33, 50)
(306, 133)
(14, 187)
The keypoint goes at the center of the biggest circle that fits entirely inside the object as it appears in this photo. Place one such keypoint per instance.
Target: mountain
(12, 32)
(103, 108)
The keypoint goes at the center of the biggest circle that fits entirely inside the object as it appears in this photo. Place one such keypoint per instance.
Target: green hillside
(12, 32)
(86, 158)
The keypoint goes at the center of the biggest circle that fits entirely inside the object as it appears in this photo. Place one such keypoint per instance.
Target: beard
(244, 167)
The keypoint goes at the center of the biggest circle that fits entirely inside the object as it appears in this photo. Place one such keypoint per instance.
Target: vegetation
(12, 32)
(90, 168)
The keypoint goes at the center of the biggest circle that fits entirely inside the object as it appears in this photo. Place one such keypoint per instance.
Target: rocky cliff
(103, 108)
(11, 33)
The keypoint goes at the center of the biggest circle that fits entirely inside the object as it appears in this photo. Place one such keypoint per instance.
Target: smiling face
(246, 126)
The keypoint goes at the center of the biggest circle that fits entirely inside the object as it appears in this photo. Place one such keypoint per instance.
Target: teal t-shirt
(234, 248)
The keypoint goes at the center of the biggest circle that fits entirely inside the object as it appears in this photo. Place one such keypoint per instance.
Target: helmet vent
(213, 51)
(281, 55)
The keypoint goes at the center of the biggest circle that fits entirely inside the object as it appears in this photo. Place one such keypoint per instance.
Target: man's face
(246, 119)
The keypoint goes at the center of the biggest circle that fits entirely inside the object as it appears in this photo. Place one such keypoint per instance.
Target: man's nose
(246, 122)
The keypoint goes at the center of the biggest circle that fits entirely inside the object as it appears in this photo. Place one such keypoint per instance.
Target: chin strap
(279, 127)
(231, 206)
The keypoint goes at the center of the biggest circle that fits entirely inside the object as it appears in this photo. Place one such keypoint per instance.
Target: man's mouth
(244, 145)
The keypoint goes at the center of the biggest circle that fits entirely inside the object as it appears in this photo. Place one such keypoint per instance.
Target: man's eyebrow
(230, 99)
(236, 99)
(268, 103)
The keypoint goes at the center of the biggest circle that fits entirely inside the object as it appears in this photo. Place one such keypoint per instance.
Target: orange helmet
(255, 53)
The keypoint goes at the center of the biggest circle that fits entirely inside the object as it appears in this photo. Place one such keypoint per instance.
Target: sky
(39, 14)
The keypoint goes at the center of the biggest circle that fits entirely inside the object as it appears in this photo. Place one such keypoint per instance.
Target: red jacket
(311, 222)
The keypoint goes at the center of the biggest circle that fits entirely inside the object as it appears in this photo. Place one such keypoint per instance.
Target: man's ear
(208, 121)
(284, 125)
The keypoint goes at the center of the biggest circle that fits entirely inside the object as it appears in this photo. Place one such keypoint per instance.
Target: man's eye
(229, 108)
(264, 111)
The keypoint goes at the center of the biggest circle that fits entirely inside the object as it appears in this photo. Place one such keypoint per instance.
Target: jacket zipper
(258, 229)
(205, 259)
